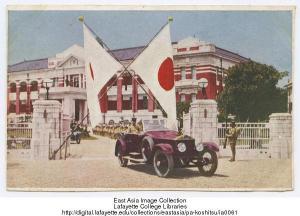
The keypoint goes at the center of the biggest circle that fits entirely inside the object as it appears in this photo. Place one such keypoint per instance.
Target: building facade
(195, 63)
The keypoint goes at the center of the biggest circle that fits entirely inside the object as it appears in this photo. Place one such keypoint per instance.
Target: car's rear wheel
(122, 161)
(163, 163)
(208, 162)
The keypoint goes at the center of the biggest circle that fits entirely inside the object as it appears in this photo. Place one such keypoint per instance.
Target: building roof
(28, 65)
(121, 54)
(224, 52)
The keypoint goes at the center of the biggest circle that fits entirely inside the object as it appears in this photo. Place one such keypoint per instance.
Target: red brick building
(193, 61)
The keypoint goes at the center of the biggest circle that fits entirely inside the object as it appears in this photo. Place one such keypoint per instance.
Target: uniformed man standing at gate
(232, 135)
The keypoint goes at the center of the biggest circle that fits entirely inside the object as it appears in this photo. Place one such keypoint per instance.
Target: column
(8, 102)
(39, 84)
(119, 94)
(150, 101)
(17, 98)
(67, 81)
(81, 80)
(61, 81)
(28, 110)
(134, 94)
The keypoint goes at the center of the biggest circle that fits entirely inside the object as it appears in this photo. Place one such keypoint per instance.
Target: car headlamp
(181, 147)
(199, 147)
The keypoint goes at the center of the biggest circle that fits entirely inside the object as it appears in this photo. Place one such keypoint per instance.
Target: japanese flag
(100, 66)
(155, 66)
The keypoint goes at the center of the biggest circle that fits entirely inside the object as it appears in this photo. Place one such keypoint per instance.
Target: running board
(138, 160)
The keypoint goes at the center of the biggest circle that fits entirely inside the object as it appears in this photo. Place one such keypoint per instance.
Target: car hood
(166, 134)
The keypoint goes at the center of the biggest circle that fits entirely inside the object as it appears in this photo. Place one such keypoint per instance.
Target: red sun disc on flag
(92, 72)
(166, 74)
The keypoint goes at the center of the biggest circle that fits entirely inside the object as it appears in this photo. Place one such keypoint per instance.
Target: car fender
(211, 146)
(149, 140)
(166, 148)
(123, 146)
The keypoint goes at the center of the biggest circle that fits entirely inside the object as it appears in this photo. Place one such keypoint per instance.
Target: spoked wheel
(208, 163)
(163, 163)
(122, 161)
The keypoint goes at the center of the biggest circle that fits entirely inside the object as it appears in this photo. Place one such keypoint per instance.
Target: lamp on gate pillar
(28, 108)
(203, 83)
(47, 87)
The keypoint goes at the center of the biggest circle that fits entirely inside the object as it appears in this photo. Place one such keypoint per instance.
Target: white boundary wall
(280, 135)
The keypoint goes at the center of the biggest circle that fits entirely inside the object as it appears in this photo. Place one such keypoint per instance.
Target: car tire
(163, 163)
(210, 168)
(122, 161)
(146, 148)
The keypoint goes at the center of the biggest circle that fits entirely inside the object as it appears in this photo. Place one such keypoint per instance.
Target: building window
(13, 87)
(194, 48)
(145, 102)
(23, 87)
(112, 105)
(182, 98)
(183, 73)
(193, 70)
(34, 86)
(181, 49)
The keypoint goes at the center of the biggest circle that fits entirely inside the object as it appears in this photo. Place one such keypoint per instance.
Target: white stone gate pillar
(203, 121)
(45, 128)
(280, 135)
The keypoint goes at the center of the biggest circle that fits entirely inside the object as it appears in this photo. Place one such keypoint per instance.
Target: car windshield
(154, 125)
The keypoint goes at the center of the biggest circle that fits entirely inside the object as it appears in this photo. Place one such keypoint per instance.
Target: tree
(182, 107)
(251, 93)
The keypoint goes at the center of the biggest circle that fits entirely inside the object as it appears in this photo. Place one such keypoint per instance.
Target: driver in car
(133, 128)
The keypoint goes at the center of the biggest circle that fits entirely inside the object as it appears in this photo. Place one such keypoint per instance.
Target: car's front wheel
(122, 161)
(208, 162)
(163, 163)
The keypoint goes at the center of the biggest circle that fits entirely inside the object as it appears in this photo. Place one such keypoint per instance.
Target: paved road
(94, 167)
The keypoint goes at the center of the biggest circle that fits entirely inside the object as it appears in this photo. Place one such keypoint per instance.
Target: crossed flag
(154, 65)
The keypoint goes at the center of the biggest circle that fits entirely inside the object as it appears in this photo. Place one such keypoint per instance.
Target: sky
(263, 36)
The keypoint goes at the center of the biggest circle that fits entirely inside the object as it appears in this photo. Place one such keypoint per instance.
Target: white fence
(252, 135)
(19, 135)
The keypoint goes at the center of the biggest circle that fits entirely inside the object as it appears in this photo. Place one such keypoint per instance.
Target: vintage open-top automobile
(166, 150)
